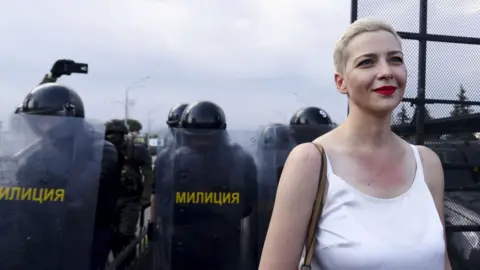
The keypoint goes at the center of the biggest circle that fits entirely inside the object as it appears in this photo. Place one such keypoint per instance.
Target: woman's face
(375, 73)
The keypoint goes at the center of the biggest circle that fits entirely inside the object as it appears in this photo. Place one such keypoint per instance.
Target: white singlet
(361, 232)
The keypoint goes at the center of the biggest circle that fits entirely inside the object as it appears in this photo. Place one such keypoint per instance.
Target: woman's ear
(340, 83)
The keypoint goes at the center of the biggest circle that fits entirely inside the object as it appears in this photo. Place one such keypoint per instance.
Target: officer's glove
(150, 228)
(61, 67)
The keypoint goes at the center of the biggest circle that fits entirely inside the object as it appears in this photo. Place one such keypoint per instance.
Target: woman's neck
(368, 130)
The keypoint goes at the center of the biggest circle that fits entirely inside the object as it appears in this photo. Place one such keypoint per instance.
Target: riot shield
(206, 193)
(165, 139)
(305, 133)
(49, 172)
(274, 143)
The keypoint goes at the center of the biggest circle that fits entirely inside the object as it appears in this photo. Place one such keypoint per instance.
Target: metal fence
(138, 255)
(441, 106)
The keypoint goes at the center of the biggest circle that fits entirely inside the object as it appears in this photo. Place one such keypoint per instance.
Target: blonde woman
(384, 201)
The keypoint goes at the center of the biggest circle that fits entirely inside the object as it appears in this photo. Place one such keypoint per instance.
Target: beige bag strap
(316, 212)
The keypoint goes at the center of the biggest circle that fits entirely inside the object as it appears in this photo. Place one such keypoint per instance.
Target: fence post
(422, 66)
(353, 17)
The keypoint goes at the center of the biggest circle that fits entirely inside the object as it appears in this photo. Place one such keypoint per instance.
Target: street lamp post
(149, 119)
(149, 122)
(131, 86)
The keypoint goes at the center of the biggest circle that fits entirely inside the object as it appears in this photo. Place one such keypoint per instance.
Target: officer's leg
(102, 239)
(117, 244)
(128, 225)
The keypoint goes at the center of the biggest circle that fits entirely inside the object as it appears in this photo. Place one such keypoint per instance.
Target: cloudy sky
(259, 59)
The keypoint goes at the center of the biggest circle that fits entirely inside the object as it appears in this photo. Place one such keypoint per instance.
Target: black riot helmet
(275, 136)
(204, 115)
(309, 123)
(16, 122)
(175, 115)
(115, 131)
(55, 100)
(18, 109)
(311, 116)
(54, 111)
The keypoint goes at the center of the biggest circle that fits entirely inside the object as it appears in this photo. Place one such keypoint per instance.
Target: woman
(384, 199)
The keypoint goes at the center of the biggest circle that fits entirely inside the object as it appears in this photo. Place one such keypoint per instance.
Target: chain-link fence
(441, 108)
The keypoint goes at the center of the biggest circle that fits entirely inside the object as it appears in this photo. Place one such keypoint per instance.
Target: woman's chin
(384, 109)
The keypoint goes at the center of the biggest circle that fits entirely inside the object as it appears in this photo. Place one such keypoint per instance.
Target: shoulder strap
(316, 212)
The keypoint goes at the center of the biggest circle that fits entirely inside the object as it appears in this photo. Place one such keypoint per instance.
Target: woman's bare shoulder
(293, 207)
(432, 167)
(304, 152)
(302, 161)
(299, 179)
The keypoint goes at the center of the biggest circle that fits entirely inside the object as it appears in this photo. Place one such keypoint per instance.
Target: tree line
(459, 109)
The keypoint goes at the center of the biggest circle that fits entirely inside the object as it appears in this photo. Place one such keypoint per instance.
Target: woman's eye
(365, 62)
(397, 59)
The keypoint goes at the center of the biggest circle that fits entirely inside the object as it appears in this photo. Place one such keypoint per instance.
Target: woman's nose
(384, 70)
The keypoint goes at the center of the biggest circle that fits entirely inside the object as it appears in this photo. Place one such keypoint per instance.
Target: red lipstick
(386, 90)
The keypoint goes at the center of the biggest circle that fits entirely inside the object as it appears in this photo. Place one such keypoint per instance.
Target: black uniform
(205, 186)
(49, 222)
(108, 195)
(165, 141)
(173, 122)
(275, 143)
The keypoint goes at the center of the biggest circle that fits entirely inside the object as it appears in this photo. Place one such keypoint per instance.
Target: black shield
(274, 143)
(49, 171)
(206, 190)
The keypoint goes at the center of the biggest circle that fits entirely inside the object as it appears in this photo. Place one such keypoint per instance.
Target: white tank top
(361, 232)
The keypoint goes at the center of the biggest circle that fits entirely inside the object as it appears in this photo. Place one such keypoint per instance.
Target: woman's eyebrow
(374, 54)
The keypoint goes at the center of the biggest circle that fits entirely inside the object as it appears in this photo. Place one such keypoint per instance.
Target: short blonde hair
(360, 26)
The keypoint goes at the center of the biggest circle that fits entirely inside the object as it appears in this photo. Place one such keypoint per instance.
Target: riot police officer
(136, 185)
(18, 109)
(173, 122)
(275, 143)
(309, 123)
(175, 115)
(65, 161)
(210, 184)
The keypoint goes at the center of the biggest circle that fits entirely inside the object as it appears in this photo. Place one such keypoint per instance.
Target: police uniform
(206, 186)
(275, 143)
(50, 224)
(165, 141)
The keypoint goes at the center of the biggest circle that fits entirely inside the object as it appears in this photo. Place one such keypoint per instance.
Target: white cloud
(250, 56)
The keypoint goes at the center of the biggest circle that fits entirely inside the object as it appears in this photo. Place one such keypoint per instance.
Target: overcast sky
(259, 59)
